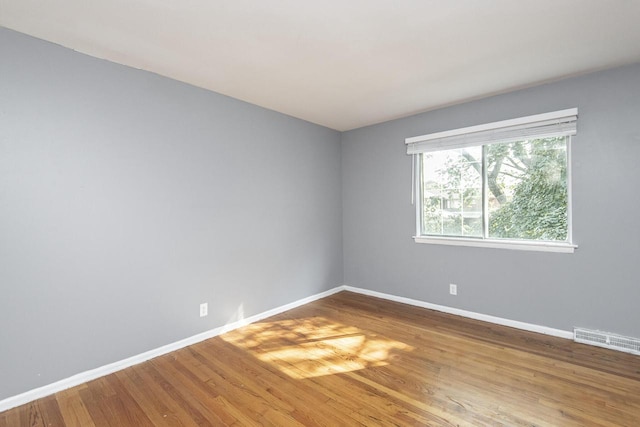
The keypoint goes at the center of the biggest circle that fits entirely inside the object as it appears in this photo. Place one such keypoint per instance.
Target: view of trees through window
(523, 193)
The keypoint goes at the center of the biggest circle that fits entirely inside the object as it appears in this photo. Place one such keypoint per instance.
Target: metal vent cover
(607, 340)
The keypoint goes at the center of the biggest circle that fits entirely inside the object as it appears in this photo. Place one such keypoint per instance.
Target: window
(504, 184)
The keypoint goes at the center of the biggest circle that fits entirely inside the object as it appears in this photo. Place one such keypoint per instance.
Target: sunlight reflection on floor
(314, 346)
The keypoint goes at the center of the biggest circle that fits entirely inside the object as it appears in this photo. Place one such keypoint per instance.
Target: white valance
(558, 123)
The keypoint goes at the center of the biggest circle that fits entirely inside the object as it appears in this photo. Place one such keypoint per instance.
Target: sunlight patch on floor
(314, 346)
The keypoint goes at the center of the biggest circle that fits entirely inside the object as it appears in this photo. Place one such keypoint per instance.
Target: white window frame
(558, 123)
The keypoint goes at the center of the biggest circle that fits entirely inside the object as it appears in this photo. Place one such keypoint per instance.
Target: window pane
(452, 192)
(527, 189)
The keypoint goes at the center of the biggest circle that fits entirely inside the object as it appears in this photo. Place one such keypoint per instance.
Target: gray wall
(595, 287)
(127, 199)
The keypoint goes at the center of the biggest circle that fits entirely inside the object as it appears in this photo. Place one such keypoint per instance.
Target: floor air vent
(607, 340)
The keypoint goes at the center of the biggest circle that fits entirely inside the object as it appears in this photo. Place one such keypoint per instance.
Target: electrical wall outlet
(453, 289)
(204, 309)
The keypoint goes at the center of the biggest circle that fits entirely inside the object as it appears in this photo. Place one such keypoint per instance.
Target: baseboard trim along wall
(47, 390)
(464, 313)
(81, 378)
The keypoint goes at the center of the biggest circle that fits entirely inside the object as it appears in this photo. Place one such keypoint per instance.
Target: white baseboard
(81, 378)
(464, 313)
(47, 390)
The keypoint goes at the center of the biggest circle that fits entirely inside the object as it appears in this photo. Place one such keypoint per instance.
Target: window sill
(498, 244)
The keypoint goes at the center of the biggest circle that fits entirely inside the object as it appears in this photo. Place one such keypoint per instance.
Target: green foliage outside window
(525, 189)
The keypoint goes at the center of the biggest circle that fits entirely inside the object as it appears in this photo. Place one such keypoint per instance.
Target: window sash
(422, 236)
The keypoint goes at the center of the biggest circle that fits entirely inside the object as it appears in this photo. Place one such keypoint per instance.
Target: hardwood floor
(355, 360)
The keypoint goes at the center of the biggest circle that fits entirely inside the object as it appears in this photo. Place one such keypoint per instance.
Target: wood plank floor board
(355, 360)
(114, 405)
(96, 412)
(449, 399)
(270, 379)
(193, 392)
(12, 417)
(540, 373)
(372, 402)
(273, 390)
(159, 413)
(419, 368)
(363, 402)
(50, 411)
(180, 405)
(233, 388)
(599, 384)
(614, 362)
(73, 409)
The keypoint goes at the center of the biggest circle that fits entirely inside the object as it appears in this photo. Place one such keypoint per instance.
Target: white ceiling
(344, 63)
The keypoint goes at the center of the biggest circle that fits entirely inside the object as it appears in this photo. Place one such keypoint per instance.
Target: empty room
(338, 213)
